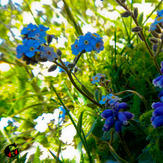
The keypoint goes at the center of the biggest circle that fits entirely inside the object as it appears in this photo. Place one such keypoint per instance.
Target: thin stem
(143, 37)
(78, 132)
(126, 147)
(73, 82)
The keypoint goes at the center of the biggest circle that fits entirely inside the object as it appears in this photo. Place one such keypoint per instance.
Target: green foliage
(125, 60)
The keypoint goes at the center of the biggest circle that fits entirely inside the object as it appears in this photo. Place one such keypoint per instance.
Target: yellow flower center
(86, 42)
(49, 52)
(94, 35)
(159, 18)
(32, 48)
(98, 45)
(104, 99)
(61, 112)
(96, 78)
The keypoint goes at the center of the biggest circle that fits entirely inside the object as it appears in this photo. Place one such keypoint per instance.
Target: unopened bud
(50, 38)
(43, 59)
(59, 52)
(153, 40)
(135, 12)
(126, 14)
(155, 34)
(52, 68)
(158, 29)
(137, 29)
(71, 65)
(154, 48)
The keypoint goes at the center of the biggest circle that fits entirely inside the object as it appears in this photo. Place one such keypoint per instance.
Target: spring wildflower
(26, 30)
(116, 116)
(76, 49)
(95, 79)
(48, 52)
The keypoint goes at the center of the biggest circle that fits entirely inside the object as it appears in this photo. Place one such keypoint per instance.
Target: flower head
(76, 49)
(30, 28)
(48, 52)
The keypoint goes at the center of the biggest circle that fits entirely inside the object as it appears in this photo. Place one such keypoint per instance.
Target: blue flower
(158, 121)
(76, 49)
(157, 104)
(158, 81)
(128, 115)
(95, 79)
(109, 122)
(87, 42)
(158, 111)
(62, 112)
(122, 117)
(158, 20)
(31, 46)
(43, 28)
(160, 13)
(30, 27)
(99, 46)
(153, 27)
(48, 52)
(20, 50)
(103, 100)
(113, 99)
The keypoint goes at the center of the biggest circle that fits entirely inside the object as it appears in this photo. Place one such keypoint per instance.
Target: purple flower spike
(122, 117)
(106, 113)
(122, 105)
(118, 126)
(157, 104)
(161, 70)
(128, 115)
(158, 111)
(156, 82)
(160, 94)
(158, 121)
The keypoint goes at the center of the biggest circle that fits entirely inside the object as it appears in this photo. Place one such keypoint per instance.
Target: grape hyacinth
(89, 42)
(157, 115)
(115, 116)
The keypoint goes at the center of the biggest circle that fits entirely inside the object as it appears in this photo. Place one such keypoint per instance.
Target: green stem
(143, 37)
(78, 132)
(126, 147)
(159, 50)
(115, 155)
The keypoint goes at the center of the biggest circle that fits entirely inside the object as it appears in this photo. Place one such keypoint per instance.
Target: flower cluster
(156, 26)
(97, 78)
(115, 116)
(34, 48)
(56, 118)
(87, 43)
(157, 118)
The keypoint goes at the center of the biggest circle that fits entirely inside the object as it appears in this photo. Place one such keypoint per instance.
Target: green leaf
(37, 155)
(79, 125)
(140, 20)
(55, 157)
(98, 95)
(87, 92)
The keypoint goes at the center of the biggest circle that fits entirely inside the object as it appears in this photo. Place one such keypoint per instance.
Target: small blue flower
(113, 99)
(153, 27)
(62, 112)
(99, 46)
(20, 50)
(31, 46)
(95, 79)
(158, 121)
(87, 42)
(160, 13)
(103, 100)
(76, 49)
(43, 28)
(48, 52)
(158, 20)
(30, 27)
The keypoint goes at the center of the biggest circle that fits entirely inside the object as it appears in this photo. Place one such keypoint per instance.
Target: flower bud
(59, 52)
(158, 29)
(137, 29)
(71, 65)
(155, 34)
(154, 48)
(140, 36)
(52, 68)
(43, 59)
(135, 12)
(153, 40)
(126, 14)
